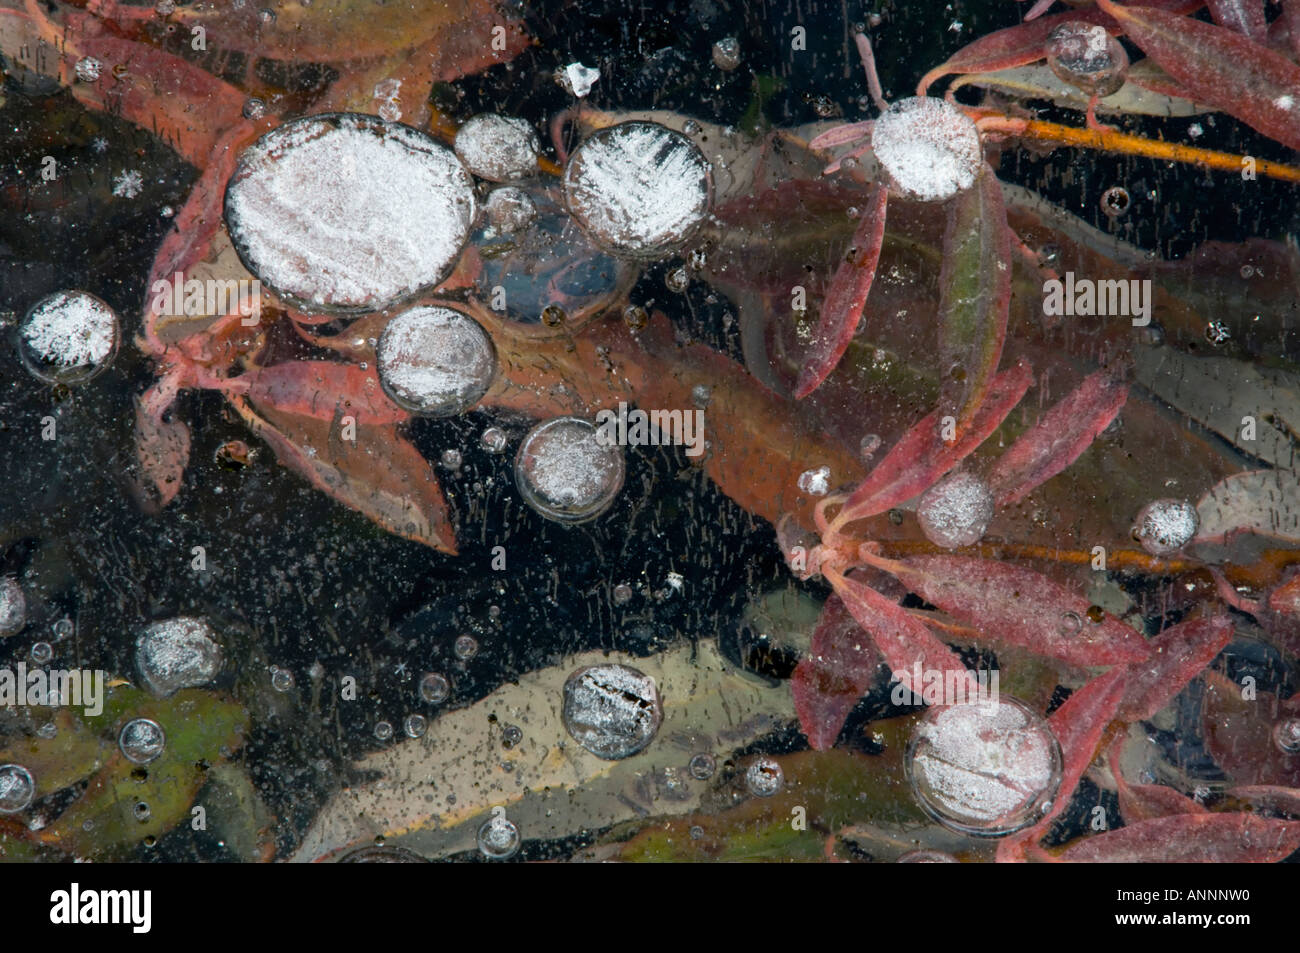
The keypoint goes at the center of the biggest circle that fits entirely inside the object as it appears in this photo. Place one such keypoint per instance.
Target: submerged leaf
(1191, 839)
(841, 666)
(1178, 655)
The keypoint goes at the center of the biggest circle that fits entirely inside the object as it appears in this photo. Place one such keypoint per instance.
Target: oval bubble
(565, 472)
(68, 337)
(435, 361)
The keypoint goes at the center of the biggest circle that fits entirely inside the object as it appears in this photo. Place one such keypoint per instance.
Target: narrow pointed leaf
(1059, 437)
(163, 450)
(324, 390)
(1220, 67)
(842, 665)
(904, 640)
(1022, 607)
(975, 294)
(922, 456)
(1142, 802)
(842, 135)
(1241, 16)
(1178, 655)
(1272, 797)
(841, 310)
(1192, 839)
(1078, 726)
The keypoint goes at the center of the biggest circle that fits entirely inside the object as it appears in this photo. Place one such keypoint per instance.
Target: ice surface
(498, 148)
(638, 188)
(929, 147)
(349, 212)
(435, 361)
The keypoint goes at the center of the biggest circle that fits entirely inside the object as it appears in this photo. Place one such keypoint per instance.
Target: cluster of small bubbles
(415, 726)
(435, 361)
(565, 471)
(635, 317)
(88, 69)
(926, 857)
(510, 210)
(701, 394)
(697, 259)
(498, 838)
(141, 740)
(1087, 57)
(498, 148)
(896, 516)
(622, 594)
(815, 482)
(987, 768)
(1071, 623)
(434, 688)
(1115, 201)
(726, 53)
(451, 459)
(956, 511)
(383, 730)
(764, 777)
(13, 606)
(42, 652)
(254, 108)
(17, 788)
(1217, 333)
(281, 679)
(142, 811)
(68, 337)
(612, 710)
(1165, 526)
(465, 647)
(677, 280)
(702, 766)
(511, 735)
(493, 439)
(553, 316)
(1286, 735)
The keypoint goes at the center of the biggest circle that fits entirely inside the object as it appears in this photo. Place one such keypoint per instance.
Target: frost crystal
(498, 148)
(638, 188)
(128, 184)
(348, 212)
(577, 79)
(70, 329)
(929, 147)
(1166, 526)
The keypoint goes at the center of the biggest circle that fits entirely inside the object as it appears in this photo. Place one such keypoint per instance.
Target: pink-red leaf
(1220, 68)
(1242, 16)
(1059, 437)
(974, 294)
(1078, 726)
(842, 665)
(1021, 607)
(841, 310)
(163, 450)
(1192, 839)
(1142, 802)
(922, 456)
(1178, 655)
(903, 640)
(324, 390)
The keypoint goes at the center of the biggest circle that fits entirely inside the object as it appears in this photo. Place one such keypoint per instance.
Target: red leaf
(842, 665)
(1019, 606)
(922, 456)
(903, 640)
(1059, 437)
(1220, 68)
(841, 310)
(163, 449)
(323, 390)
(1242, 16)
(1192, 839)
(1142, 802)
(1078, 726)
(1178, 655)
(1272, 797)
(974, 294)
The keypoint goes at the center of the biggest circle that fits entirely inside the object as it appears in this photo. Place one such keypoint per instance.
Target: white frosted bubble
(638, 188)
(13, 606)
(985, 768)
(510, 210)
(498, 148)
(68, 337)
(565, 472)
(142, 740)
(177, 653)
(956, 511)
(349, 213)
(577, 79)
(613, 711)
(929, 147)
(1166, 526)
(17, 788)
(435, 361)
